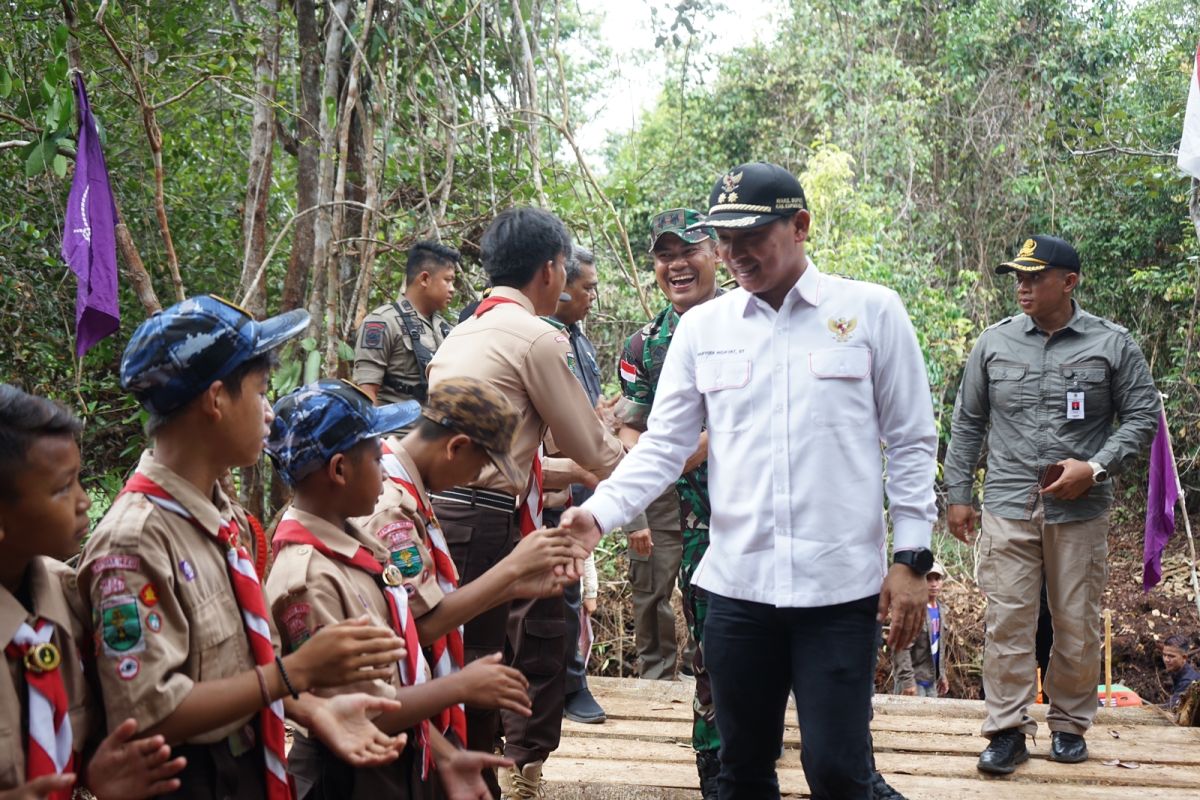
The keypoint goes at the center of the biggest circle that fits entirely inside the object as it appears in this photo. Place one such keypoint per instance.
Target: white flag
(1189, 145)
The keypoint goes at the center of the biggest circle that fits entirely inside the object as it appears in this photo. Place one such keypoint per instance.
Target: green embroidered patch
(121, 627)
(408, 560)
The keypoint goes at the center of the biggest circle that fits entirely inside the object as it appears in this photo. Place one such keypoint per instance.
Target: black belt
(482, 498)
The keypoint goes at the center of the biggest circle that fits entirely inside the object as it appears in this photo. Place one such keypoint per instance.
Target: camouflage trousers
(695, 610)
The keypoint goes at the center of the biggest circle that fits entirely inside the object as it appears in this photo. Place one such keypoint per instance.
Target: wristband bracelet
(262, 685)
(283, 674)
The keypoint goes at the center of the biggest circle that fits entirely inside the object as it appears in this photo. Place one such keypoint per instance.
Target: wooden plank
(568, 777)
(1134, 744)
(631, 708)
(1039, 769)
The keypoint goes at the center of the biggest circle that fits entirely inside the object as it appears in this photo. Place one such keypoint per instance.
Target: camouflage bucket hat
(178, 353)
(316, 422)
(477, 410)
(677, 221)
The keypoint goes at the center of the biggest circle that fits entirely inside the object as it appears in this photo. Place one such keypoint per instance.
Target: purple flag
(1160, 503)
(89, 235)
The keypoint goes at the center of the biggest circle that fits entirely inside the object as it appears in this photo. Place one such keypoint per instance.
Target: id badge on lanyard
(1075, 405)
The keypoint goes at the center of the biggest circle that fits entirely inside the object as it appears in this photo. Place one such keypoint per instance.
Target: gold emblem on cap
(42, 658)
(1027, 249)
(392, 576)
(730, 183)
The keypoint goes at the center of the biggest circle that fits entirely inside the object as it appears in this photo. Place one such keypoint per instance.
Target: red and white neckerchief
(447, 651)
(529, 514)
(248, 593)
(413, 667)
(49, 748)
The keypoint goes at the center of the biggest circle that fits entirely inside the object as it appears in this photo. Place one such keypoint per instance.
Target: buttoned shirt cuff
(605, 512)
(911, 534)
(959, 495)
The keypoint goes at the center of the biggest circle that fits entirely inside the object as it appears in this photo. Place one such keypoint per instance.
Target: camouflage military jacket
(641, 365)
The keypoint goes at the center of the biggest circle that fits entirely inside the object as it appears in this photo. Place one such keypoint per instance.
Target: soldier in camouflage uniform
(685, 266)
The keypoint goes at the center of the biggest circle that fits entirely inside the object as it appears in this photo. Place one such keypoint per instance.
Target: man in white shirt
(809, 383)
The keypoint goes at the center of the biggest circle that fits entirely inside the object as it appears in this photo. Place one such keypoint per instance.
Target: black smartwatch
(919, 561)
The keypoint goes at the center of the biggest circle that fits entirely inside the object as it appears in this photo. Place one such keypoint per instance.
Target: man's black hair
(25, 418)
(264, 362)
(431, 257)
(519, 242)
(1177, 641)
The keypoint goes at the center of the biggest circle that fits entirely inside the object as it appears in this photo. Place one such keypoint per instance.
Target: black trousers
(756, 654)
(573, 595)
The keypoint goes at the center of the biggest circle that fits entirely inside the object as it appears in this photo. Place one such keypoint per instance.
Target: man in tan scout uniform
(505, 343)
(1045, 387)
(397, 340)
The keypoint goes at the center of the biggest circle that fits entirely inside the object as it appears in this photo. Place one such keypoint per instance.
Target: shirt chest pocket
(1005, 380)
(215, 621)
(725, 384)
(1090, 378)
(845, 391)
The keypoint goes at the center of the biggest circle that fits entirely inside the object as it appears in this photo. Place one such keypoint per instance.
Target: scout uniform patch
(372, 335)
(120, 626)
(187, 570)
(154, 621)
(128, 668)
(571, 364)
(295, 622)
(149, 595)
(400, 540)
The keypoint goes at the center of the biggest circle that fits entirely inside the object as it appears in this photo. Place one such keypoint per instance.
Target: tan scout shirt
(526, 358)
(396, 503)
(162, 603)
(308, 590)
(384, 351)
(55, 598)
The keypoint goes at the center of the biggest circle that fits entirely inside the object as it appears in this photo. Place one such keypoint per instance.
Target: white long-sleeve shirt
(802, 406)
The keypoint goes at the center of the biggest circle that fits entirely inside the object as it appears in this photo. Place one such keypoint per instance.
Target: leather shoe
(1006, 750)
(582, 707)
(1067, 748)
(880, 790)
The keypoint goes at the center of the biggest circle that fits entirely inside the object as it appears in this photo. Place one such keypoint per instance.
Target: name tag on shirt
(1074, 405)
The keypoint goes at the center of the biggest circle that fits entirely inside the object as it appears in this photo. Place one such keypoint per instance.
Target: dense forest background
(284, 154)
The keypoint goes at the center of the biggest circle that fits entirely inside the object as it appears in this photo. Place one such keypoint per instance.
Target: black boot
(880, 790)
(708, 765)
(1004, 753)
(1067, 748)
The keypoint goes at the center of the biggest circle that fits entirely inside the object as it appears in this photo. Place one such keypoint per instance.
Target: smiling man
(673, 532)
(803, 381)
(1045, 387)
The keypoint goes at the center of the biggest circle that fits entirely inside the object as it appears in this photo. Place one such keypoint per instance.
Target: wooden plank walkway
(926, 748)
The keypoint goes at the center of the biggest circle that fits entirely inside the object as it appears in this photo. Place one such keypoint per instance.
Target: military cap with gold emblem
(750, 195)
(1042, 252)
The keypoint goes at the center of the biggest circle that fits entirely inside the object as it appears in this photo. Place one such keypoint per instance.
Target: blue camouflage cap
(316, 422)
(179, 352)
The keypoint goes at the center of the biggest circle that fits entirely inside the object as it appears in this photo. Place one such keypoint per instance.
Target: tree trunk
(308, 150)
(262, 145)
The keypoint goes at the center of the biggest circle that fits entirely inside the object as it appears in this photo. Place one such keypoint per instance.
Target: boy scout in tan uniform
(169, 598)
(325, 443)
(51, 720)
(508, 345)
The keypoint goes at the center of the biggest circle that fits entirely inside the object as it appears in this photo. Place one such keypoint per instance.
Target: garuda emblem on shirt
(842, 328)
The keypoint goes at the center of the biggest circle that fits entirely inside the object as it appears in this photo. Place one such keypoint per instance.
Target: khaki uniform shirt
(384, 352)
(55, 598)
(162, 603)
(524, 357)
(308, 590)
(395, 502)
(1039, 400)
